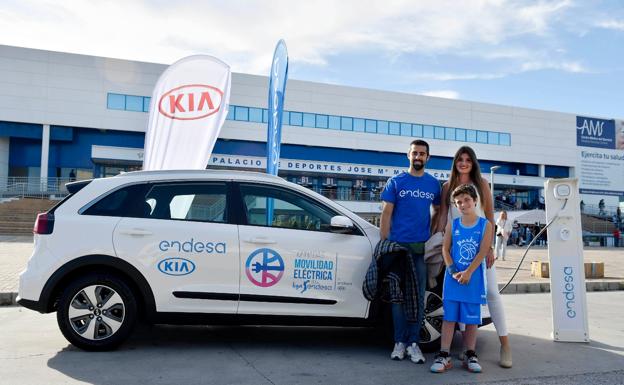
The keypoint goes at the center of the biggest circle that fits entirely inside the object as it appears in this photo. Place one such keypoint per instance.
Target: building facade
(66, 115)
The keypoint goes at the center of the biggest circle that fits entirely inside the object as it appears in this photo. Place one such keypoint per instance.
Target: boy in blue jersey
(467, 240)
(406, 219)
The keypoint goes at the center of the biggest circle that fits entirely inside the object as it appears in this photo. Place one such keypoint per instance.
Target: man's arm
(386, 220)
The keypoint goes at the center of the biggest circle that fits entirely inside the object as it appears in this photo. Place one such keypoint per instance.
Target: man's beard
(418, 165)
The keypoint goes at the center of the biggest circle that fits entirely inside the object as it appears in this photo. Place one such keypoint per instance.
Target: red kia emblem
(190, 102)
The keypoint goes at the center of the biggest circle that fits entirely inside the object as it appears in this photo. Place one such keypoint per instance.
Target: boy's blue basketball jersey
(465, 247)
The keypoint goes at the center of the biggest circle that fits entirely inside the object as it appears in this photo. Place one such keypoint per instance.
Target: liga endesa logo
(190, 102)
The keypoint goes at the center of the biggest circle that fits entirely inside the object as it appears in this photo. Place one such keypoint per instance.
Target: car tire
(431, 328)
(97, 312)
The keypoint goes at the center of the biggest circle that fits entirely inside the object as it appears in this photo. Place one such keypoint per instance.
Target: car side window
(120, 203)
(202, 202)
(277, 207)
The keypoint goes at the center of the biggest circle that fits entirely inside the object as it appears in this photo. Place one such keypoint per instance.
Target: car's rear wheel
(97, 312)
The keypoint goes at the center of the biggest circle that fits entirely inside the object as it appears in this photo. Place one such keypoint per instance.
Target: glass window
(382, 127)
(241, 113)
(471, 136)
(134, 103)
(346, 124)
(449, 133)
(146, 103)
(309, 120)
(394, 128)
(428, 131)
(504, 139)
(116, 102)
(255, 115)
(334, 122)
(204, 202)
(286, 117)
(230, 115)
(124, 202)
(290, 210)
(358, 125)
(296, 118)
(406, 129)
(493, 137)
(417, 130)
(439, 132)
(371, 125)
(265, 115)
(482, 137)
(321, 121)
(460, 134)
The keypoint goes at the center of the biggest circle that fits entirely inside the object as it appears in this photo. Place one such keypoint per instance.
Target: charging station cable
(565, 202)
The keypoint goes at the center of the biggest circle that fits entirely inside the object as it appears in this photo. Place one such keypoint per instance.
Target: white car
(204, 246)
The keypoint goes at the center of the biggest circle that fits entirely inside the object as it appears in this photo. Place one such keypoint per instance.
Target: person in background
(503, 231)
(466, 170)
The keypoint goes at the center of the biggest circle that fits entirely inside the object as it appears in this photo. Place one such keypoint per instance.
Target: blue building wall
(70, 147)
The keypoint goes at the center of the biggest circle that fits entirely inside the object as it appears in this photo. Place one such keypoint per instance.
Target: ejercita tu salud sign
(601, 155)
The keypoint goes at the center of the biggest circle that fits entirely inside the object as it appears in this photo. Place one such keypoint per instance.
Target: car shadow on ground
(309, 355)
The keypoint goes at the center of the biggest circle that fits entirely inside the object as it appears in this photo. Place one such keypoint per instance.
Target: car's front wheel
(97, 312)
(431, 328)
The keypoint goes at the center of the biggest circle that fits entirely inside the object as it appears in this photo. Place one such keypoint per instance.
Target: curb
(544, 287)
(9, 299)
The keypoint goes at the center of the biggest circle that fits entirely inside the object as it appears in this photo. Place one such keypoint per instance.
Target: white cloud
(611, 24)
(566, 66)
(244, 33)
(447, 94)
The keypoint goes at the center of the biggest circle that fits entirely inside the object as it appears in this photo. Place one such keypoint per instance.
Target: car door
(185, 246)
(291, 261)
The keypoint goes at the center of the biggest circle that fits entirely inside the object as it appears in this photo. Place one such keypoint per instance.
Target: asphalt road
(33, 351)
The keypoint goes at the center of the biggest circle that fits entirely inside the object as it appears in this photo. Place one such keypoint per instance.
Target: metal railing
(34, 187)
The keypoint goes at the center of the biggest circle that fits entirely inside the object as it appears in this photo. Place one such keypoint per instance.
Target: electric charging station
(565, 254)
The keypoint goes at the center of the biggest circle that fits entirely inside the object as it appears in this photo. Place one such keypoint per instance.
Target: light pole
(492, 169)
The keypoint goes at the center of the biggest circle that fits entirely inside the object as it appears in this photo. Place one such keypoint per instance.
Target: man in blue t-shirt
(406, 219)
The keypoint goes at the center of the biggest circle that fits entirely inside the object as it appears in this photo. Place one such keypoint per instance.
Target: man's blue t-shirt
(412, 197)
(466, 242)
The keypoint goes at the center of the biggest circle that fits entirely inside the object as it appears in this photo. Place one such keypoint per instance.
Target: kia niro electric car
(188, 247)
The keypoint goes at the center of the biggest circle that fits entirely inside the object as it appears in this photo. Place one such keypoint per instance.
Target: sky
(560, 55)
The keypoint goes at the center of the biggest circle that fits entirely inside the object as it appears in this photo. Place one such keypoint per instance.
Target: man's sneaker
(414, 353)
(442, 363)
(398, 353)
(471, 362)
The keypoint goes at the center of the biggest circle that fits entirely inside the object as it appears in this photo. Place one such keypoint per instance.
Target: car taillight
(44, 224)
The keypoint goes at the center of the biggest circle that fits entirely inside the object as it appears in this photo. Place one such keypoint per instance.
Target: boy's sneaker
(398, 353)
(471, 362)
(442, 363)
(415, 354)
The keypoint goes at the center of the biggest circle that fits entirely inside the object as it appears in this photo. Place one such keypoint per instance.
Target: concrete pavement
(15, 251)
(33, 351)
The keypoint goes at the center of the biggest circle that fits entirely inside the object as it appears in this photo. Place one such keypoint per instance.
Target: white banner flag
(189, 105)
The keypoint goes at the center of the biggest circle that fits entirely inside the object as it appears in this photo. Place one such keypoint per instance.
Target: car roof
(191, 174)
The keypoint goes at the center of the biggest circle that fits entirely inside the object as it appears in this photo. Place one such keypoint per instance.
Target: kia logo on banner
(188, 108)
(192, 101)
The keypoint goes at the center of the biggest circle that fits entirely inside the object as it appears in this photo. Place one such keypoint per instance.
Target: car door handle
(137, 232)
(261, 240)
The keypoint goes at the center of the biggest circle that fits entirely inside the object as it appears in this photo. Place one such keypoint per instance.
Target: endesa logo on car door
(190, 102)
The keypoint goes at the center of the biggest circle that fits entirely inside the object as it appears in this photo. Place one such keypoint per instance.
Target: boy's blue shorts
(467, 313)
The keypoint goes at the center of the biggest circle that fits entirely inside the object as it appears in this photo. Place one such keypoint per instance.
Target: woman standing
(466, 170)
(503, 230)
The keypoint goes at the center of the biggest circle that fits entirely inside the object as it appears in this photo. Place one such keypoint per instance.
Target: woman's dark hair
(475, 172)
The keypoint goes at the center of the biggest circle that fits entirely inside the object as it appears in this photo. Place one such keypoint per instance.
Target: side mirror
(341, 225)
